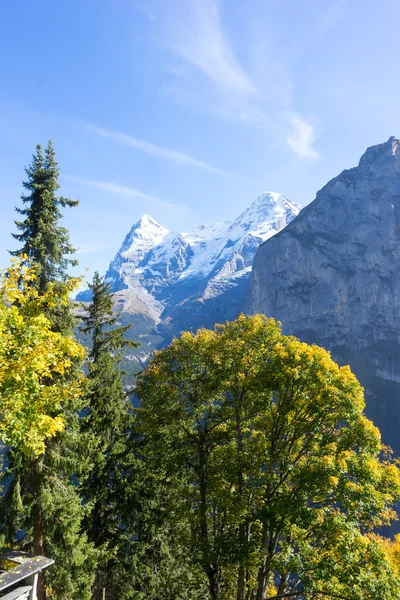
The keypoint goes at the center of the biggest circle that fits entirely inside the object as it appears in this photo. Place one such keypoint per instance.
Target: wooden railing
(19, 574)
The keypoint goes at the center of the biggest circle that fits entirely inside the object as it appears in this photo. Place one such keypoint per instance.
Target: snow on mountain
(270, 213)
(144, 235)
(166, 282)
(165, 272)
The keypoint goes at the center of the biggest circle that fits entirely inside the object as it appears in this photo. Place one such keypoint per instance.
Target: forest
(240, 465)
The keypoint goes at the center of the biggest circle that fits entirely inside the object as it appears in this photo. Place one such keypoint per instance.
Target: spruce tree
(44, 241)
(109, 488)
(41, 507)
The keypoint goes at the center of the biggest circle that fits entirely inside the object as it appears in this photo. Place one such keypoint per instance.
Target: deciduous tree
(279, 474)
(41, 509)
(34, 361)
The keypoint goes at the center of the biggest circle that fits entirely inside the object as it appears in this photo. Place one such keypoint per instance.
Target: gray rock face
(332, 277)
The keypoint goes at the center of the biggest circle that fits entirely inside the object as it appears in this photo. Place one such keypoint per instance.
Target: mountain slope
(166, 282)
(332, 277)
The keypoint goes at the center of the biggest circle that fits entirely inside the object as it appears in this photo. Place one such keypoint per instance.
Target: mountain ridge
(174, 281)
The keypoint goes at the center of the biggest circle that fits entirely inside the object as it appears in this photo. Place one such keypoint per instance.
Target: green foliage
(43, 240)
(41, 506)
(141, 555)
(42, 514)
(249, 471)
(267, 457)
(108, 487)
(41, 395)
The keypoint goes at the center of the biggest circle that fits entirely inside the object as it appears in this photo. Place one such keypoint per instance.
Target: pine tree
(43, 240)
(41, 507)
(109, 488)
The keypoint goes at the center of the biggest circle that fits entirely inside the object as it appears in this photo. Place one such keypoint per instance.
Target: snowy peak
(167, 271)
(148, 231)
(169, 257)
(166, 282)
(227, 248)
(270, 212)
(144, 235)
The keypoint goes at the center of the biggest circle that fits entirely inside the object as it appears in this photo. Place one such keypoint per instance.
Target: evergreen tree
(109, 488)
(41, 507)
(143, 558)
(43, 240)
(42, 513)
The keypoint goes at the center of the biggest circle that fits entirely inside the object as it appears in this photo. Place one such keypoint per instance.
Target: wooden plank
(22, 571)
(19, 594)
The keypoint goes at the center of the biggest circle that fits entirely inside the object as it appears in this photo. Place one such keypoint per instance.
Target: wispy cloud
(162, 152)
(122, 190)
(85, 248)
(331, 17)
(302, 138)
(149, 148)
(203, 44)
(198, 37)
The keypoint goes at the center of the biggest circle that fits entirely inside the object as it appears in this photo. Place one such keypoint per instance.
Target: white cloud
(302, 138)
(85, 248)
(198, 37)
(203, 44)
(150, 148)
(122, 190)
(162, 152)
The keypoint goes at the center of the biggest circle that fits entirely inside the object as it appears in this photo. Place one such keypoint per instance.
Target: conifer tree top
(100, 321)
(43, 239)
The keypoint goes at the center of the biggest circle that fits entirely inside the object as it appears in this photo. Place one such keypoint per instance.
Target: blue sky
(189, 109)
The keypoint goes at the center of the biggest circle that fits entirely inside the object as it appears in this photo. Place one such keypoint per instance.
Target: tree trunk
(242, 571)
(262, 582)
(283, 584)
(264, 575)
(214, 584)
(209, 567)
(263, 571)
(38, 549)
(240, 589)
(240, 584)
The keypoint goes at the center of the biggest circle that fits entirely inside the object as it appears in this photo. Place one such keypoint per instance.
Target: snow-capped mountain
(144, 235)
(177, 281)
(154, 258)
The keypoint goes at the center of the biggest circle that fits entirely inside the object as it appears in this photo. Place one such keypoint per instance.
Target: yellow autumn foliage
(34, 361)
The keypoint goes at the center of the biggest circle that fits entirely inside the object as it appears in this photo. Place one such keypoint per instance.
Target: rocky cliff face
(166, 282)
(332, 276)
